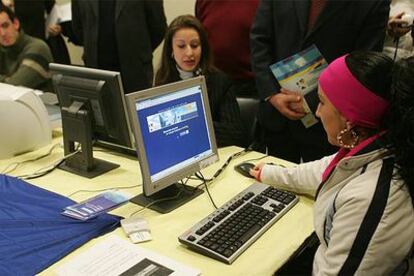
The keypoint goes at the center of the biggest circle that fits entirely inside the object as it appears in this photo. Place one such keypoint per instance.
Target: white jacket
(363, 216)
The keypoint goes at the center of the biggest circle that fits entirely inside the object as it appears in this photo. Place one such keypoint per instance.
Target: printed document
(116, 256)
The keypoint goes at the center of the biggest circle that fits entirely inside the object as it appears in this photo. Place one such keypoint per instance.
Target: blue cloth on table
(33, 233)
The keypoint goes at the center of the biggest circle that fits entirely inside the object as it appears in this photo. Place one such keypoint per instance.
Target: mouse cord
(224, 166)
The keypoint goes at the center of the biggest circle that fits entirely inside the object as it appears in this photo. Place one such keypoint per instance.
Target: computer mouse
(244, 169)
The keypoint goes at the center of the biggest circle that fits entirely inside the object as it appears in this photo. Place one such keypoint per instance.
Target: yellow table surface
(264, 257)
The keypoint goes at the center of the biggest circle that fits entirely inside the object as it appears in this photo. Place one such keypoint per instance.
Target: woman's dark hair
(401, 120)
(8, 11)
(167, 71)
(395, 83)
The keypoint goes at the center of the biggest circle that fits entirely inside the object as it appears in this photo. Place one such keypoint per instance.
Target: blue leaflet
(94, 206)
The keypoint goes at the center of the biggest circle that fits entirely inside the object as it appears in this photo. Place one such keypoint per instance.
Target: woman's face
(187, 49)
(333, 122)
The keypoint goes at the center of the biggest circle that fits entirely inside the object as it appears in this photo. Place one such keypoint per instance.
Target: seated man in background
(23, 59)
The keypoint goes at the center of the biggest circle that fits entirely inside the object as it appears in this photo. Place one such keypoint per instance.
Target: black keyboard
(231, 229)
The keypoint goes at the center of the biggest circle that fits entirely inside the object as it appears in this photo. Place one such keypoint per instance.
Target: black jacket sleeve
(154, 12)
(77, 23)
(261, 39)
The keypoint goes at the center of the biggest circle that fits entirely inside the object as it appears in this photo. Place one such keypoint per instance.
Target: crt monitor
(24, 122)
(174, 137)
(93, 109)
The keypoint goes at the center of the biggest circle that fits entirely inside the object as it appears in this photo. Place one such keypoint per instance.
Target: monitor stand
(77, 128)
(187, 193)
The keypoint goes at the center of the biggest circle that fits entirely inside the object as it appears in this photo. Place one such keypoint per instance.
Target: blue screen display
(174, 129)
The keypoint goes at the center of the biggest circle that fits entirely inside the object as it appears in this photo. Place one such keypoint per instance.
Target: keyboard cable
(207, 190)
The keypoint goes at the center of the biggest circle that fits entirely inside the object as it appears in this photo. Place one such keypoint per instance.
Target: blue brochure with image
(300, 73)
(94, 206)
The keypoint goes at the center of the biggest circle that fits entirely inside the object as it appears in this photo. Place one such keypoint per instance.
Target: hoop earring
(354, 136)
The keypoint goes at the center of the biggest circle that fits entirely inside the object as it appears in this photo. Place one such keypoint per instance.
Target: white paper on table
(115, 256)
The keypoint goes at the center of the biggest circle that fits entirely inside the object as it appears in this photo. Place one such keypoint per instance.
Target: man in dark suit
(120, 35)
(284, 28)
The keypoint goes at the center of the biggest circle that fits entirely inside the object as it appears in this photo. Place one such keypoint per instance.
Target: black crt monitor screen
(174, 133)
(97, 97)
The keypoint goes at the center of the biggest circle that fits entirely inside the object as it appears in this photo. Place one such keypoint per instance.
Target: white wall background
(172, 8)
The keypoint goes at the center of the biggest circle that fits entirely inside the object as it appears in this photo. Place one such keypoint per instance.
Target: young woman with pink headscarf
(363, 212)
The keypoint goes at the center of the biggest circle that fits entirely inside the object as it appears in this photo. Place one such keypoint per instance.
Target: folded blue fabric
(33, 233)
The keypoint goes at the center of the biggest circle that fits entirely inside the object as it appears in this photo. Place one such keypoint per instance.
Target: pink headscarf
(353, 100)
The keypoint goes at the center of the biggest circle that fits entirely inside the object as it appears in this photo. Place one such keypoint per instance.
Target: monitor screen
(174, 132)
(93, 107)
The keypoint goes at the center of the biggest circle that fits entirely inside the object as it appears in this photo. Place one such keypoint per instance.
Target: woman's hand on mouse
(255, 172)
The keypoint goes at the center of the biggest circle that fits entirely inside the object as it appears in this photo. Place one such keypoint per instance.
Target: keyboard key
(248, 195)
(249, 234)
(227, 252)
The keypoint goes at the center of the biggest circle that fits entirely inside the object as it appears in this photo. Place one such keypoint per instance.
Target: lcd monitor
(93, 110)
(174, 137)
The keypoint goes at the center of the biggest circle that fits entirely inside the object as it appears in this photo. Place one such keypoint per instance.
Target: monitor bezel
(98, 74)
(151, 187)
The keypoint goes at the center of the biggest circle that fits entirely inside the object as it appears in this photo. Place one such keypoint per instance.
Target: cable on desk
(186, 187)
(219, 171)
(47, 169)
(270, 163)
(198, 176)
(167, 198)
(103, 190)
(194, 189)
(17, 164)
(257, 159)
(208, 191)
(205, 181)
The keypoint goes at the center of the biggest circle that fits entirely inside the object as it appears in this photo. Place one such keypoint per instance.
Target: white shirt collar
(184, 75)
